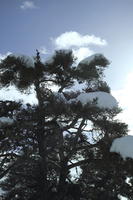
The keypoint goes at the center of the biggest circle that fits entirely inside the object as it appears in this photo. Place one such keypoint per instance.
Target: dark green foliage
(102, 86)
(16, 72)
(106, 177)
(93, 70)
(47, 140)
(61, 68)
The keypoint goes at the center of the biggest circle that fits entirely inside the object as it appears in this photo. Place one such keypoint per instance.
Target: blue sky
(24, 30)
(27, 25)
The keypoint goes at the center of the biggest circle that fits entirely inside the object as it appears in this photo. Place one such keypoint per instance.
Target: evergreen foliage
(47, 140)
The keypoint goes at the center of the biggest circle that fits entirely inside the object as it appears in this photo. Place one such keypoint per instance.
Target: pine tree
(44, 140)
(107, 176)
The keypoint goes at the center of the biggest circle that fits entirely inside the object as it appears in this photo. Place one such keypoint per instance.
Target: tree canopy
(68, 129)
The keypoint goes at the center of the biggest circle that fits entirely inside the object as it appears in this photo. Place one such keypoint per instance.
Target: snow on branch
(6, 121)
(104, 100)
(123, 146)
(98, 58)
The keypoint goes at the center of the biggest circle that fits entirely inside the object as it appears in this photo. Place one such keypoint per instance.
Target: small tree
(45, 141)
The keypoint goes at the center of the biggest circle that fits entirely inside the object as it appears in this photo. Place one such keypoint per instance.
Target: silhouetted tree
(41, 143)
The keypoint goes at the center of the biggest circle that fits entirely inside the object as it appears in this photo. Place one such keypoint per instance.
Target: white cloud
(82, 53)
(125, 98)
(28, 5)
(79, 44)
(74, 39)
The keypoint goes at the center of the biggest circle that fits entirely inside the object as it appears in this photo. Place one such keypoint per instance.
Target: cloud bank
(74, 39)
(80, 44)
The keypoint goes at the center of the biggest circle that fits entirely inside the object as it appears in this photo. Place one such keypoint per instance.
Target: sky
(86, 26)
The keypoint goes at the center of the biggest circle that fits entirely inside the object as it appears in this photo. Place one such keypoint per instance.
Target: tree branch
(81, 162)
(6, 171)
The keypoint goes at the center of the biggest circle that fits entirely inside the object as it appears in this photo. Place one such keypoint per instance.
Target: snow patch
(60, 97)
(123, 146)
(6, 121)
(12, 94)
(3, 56)
(122, 197)
(91, 58)
(104, 100)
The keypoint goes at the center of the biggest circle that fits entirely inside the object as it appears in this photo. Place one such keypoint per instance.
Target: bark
(41, 145)
(62, 181)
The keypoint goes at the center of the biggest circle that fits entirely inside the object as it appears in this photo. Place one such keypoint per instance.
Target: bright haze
(86, 26)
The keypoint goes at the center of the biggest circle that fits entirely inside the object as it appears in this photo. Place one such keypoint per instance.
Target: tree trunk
(62, 189)
(42, 145)
(43, 167)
